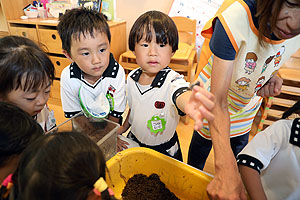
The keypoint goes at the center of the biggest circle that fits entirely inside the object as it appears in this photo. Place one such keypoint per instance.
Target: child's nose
(96, 59)
(152, 50)
(42, 99)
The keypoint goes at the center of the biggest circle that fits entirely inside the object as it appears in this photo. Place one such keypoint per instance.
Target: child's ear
(68, 55)
(173, 53)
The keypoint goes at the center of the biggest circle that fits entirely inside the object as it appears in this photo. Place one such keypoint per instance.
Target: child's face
(288, 22)
(151, 56)
(91, 54)
(32, 101)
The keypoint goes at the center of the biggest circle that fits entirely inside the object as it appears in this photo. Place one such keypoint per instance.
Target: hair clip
(101, 186)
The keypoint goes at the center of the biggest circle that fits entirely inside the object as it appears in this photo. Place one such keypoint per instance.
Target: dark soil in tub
(142, 187)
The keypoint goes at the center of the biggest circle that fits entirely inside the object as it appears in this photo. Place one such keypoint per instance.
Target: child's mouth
(152, 63)
(97, 68)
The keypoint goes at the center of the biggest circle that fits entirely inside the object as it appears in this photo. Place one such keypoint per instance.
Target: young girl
(270, 163)
(26, 77)
(63, 165)
(17, 131)
(157, 95)
(246, 42)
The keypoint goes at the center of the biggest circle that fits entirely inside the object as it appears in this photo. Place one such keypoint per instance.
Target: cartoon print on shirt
(250, 62)
(110, 96)
(278, 56)
(266, 64)
(259, 83)
(243, 83)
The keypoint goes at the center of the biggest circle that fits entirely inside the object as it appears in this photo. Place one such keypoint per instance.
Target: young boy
(270, 163)
(157, 95)
(85, 39)
(17, 130)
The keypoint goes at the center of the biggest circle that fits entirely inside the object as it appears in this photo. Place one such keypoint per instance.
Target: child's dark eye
(30, 99)
(145, 45)
(85, 54)
(102, 50)
(291, 4)
(162, 45)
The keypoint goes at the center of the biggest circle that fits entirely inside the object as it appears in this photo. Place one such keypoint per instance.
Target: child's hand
(120, 130)
(200, 105)
(121, 144)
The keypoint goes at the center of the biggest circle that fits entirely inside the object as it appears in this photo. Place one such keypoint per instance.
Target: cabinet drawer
(51, 39)
(59, 63)
(29, 33)
(55, 93)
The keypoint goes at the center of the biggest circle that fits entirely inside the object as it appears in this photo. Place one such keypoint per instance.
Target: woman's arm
(227, 183)
(252, 182)
(198, 104)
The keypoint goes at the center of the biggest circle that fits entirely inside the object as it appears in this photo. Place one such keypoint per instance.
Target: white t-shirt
(154, 115)
(276, 152)
(111, 82)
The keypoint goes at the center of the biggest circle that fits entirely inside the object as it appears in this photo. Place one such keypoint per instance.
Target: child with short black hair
(27, 74)
(157, 95)
(86, 39)
(270, 163)
(63, 165)
(17, 131)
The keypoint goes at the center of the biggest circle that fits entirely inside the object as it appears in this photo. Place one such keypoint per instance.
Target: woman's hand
(200, 105)
(271, 88)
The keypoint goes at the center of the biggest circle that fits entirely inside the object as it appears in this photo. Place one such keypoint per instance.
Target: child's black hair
(161, 24)
(62, 165)
(291, 110)
(23, 64)
(17, 130)
(79, 21)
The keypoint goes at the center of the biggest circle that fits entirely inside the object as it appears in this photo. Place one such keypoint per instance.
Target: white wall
(130, 10)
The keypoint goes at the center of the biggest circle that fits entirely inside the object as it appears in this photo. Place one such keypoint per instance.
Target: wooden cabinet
(26, 31)
(44, 31)
(59, 63)
(10, 9)
(50, 38)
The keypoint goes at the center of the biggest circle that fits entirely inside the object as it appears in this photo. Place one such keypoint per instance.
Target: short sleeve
(220, 44)
(69, 97)
(178, 86)
(265, 145)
